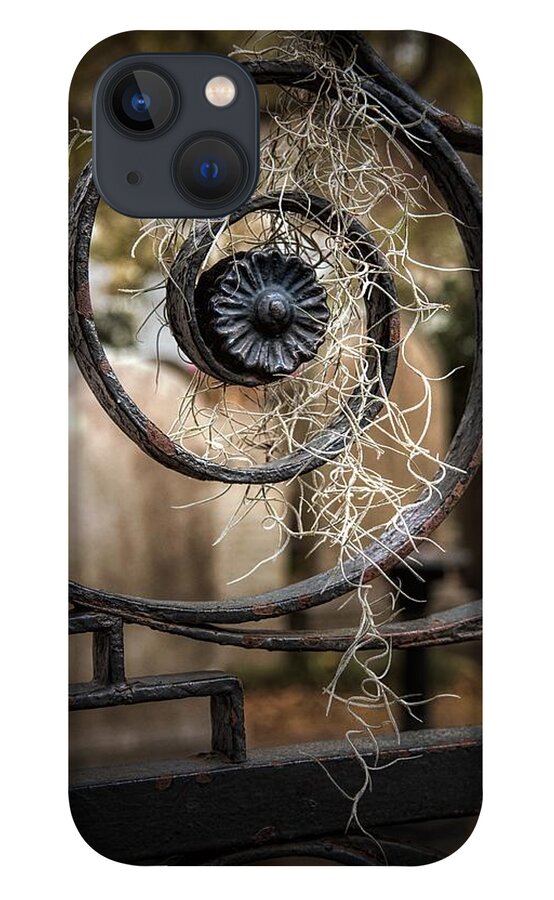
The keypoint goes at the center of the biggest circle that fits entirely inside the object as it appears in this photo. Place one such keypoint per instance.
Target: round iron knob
(273, 312)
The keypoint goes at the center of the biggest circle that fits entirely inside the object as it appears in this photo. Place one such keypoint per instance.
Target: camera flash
(220, 91)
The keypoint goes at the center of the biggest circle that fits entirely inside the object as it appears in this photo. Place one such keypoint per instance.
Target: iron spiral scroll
(290, 314)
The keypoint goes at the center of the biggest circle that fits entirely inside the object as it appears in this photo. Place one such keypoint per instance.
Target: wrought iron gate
(234, 806)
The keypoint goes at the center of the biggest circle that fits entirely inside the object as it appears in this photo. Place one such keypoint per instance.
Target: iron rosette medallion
(263, 312)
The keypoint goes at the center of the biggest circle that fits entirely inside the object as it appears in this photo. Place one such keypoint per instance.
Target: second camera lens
(210, 169)
(142, 101)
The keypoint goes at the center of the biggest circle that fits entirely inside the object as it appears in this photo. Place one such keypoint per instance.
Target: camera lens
(142, 101)
(210, 169)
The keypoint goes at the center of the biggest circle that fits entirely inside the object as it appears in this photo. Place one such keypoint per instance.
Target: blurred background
(127, 536)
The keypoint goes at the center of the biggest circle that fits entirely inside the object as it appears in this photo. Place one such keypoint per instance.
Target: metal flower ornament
(265, 312)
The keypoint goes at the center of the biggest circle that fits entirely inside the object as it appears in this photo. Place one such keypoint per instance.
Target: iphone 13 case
(275, 425)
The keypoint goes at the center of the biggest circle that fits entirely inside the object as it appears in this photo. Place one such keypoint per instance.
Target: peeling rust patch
(453, 122)
(265, 834)
(159, 439)
(203, 778)
(264, 609)
(252, 641)
(82, 302)
(163, 782)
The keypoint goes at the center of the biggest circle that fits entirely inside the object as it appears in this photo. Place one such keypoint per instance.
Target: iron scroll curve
(462, 197)
(383, 329)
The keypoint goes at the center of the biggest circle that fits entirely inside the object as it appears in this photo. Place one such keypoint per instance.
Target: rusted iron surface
(461, 623)
(108, 657)
(341, 850)
(462, 196)
(283, 793)
(382, 327)
(110, 687)
(225, 693)
(462, 135)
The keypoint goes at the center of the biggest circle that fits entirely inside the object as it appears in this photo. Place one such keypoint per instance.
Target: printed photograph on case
(275, 491)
